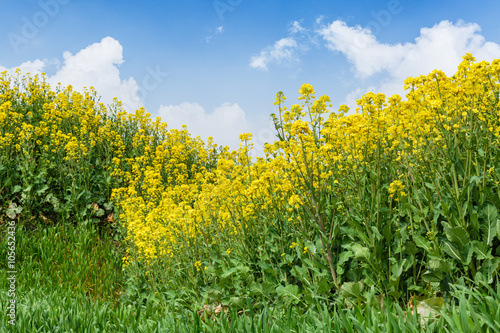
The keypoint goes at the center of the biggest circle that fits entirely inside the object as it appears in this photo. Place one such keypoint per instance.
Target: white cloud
(439, 47)
(361, 48)
(97, 66)
(219, 30)
(296, 27)
(33, 67)
(283, 49)
(224, 124)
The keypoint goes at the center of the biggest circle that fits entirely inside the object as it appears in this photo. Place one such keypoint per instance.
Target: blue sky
(216, 65)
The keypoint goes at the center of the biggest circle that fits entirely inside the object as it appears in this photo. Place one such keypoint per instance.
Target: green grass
(69, 279)
(67, 259)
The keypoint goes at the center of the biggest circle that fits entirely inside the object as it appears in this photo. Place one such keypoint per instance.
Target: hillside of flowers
(399, 197)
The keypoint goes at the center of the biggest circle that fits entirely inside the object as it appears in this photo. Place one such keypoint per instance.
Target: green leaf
(410, 248)
(431, 186)
(430, 308)
(446, 211)
(213, 296)
(300, 272)
(108, 206)
(467, 252)
(290, 293)
(438, 265)
(324, 285)
(422, 242)
(492, 197)
(229, 272)
(430, 276)
(255, 288)
(359, 230)
(498, 228)
(344, 256)
(42, 190)
(482, 250)
(361, 252)
(456, 235)
(352, 289)
(486, 273)
(488, 219)
(451, 250)
(397, 268)
(13, 210)
(237, 302)
(474, 220)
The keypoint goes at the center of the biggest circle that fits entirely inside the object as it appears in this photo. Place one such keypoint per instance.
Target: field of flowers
(397, 200)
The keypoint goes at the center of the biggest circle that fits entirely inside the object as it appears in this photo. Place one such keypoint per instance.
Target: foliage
(62, 152)
(402, 195)
(76, 295)
(397, 201)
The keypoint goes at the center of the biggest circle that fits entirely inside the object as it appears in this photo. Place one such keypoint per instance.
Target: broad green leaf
(498, 228)
(431, 186)
(474, 180)
(256, 288)
(444, 205)
(482, 250)
(467, 252)
(290, 293)
(344, 256)
(361, 252)
(325, 285)
(42, 190)
(229, 272)
(397, 268)
(243, 270)
(438, 265)
(488, 222)
(488, 270)
(376, 234)
(238, 302)
(359, 230)
(430, 308)
(352, 289)
(492, 197)
(410, 248)
(13, 210)
(474, 220)
(430, 276)
(214, 296)
(301, 273)
(422, 242)
(451, 250)
(457, 235)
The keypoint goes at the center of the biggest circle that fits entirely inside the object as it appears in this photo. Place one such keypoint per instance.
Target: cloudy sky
(216, 65)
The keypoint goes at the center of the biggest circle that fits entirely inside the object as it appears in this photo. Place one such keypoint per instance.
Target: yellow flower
(197, 265)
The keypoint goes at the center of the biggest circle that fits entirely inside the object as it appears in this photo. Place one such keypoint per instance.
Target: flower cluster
(179, 197)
